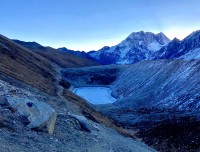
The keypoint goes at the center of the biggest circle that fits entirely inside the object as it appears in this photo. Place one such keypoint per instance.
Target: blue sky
(92, 24)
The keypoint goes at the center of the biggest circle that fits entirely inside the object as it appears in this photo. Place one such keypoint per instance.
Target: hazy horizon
(80, 25)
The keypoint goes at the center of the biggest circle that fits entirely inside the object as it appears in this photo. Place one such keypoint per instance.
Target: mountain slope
(26, 66)
(63, 59)
(160, 84)
(188, 48)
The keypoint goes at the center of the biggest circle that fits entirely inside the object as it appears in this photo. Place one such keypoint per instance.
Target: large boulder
(39, 114)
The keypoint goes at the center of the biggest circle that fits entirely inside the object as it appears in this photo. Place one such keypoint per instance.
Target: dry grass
(25, 65)
(92, 114)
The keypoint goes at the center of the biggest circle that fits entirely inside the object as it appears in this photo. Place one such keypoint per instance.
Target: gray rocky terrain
(68, 134)
(157, 99)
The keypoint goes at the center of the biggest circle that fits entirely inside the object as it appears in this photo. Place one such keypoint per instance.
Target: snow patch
(140, 42)
(154, 46)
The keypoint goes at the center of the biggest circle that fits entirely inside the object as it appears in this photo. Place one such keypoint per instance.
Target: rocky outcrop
(39, 114)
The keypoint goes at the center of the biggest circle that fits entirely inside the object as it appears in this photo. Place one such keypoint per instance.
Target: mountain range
(142, 45)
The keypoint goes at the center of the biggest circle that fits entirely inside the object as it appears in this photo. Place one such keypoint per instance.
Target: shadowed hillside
(61, 58)
(25, 65)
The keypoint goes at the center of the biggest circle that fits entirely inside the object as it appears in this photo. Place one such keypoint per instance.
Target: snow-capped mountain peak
(136, 47)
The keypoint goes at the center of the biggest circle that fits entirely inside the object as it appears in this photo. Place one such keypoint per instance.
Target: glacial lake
(95, 95)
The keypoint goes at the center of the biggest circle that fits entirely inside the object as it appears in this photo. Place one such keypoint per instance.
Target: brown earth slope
(34, 64)
(26, 66)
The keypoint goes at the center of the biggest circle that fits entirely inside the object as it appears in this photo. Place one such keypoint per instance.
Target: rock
(39, 114)
(4, 102)
(51, 123)
(82, 121)
(29, 104)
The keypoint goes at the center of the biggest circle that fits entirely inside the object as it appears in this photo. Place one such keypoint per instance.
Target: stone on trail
(82, 121)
